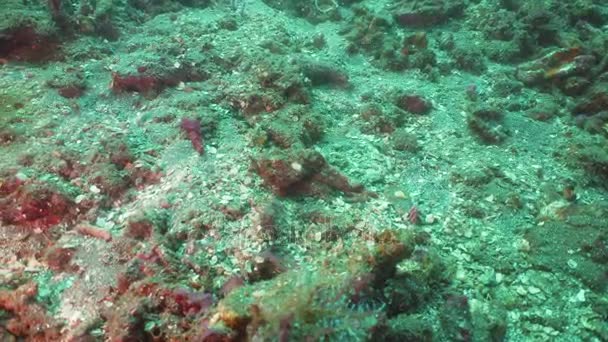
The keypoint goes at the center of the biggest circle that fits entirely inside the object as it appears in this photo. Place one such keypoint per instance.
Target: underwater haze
(304, 170)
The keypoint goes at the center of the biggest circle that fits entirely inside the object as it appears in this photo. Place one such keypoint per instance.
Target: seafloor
(315, 170)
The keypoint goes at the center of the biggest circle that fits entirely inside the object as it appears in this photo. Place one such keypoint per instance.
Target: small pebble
(521, 290)
(400, 194)
(499, 277)
(580, 296)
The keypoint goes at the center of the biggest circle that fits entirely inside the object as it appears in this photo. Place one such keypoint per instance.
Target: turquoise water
(323, 170)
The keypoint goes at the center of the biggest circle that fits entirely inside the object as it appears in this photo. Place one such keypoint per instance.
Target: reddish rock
(233, 283)
(303, 172)
(595, 101)
(145, 84)
(192, 127)
(414, 104)
(59, 258)
(34, 206)
(426, 13)
(418, 19)
(70, 92)
(558, 64)
(27, 45)
(141, 229)
(25, 319)
(190, 303)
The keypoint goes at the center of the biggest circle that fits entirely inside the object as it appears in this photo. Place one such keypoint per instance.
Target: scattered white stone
(533, 290)
(499, 277)
(399, 194)
(521, 290)
(296, 166)
(430, 219)
(523, 245)
(318, 236)
(579, 297)
(572, 264)
(461, 274)
(550, 331)
(94, 189)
